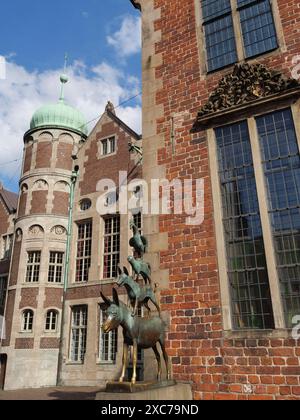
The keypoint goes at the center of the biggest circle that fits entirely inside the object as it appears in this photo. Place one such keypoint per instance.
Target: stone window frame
(238, 37)
(56, 265)
(23, 313)
(33, 264)
(85, 241)
(279, 317)
(100, 141)
(57, 313)
(6, 246)
(111, 235)
(3, 291)
(112, 342)
(80, 327)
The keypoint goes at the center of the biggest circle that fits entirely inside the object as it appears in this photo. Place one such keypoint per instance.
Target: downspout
(74, 178)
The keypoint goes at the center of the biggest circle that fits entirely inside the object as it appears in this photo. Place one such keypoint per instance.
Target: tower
(34, 302)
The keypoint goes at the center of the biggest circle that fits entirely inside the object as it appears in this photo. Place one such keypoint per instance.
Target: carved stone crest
(36, 231)
(59, 230)
(247, 83)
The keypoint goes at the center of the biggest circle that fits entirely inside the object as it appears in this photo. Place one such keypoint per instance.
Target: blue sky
(102, 39)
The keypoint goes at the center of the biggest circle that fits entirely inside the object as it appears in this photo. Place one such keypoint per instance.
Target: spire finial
(64, 79)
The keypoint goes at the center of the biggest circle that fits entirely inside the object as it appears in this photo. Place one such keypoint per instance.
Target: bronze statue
(138, 241)
(141, 268)
(138, 332)
(138, 296)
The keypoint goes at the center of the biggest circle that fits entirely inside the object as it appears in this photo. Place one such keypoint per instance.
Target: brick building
(221, 103)
(52, 312)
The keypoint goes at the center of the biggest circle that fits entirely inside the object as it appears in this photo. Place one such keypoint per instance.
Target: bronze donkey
(138, 332)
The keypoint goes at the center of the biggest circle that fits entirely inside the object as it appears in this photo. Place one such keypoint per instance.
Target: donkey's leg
(153, 300)
(125, 361)
(166, 358)
(135, 357)
(158, 358)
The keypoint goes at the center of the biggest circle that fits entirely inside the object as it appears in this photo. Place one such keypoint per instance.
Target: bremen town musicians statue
(141, 333)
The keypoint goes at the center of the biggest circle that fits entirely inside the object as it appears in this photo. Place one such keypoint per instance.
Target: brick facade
(64, 151)
(39, 202)
(60, 203)
(29, 298)
(246, 365)
(24, 343)
(43, 155)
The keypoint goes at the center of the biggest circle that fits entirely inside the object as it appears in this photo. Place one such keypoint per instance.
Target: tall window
(247, 270)
(108, 345)
(108, 146)
(256, 26)
(219, 33)
(281, 162)
(27, 320)
(56, 260)
(7, 242)
(3, 290)
(84, 251)
(51, 321)
(246, 257)
(111, 255)
(78, 333)
(33, 266)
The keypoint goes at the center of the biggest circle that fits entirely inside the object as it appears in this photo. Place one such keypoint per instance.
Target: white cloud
(23, 92)
(127, 40)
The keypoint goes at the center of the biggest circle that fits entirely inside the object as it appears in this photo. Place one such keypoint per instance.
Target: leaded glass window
(281, 162)
(246, 261)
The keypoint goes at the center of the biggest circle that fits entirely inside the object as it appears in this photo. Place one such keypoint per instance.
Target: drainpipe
(74, 178)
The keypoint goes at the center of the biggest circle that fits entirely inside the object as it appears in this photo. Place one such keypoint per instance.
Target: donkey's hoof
(121, 380)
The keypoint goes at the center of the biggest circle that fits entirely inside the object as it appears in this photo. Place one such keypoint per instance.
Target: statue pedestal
(147, 391)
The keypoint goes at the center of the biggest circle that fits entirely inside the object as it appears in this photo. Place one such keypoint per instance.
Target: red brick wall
(43, 155)
(60, 203)
(24, 343)
(13, 278)
(9, 316)
(217, 367)
(64, 156)
(49, 343)
(53, 298)
(39, 202)
(28, 158)
(29, 298)
(96, 169)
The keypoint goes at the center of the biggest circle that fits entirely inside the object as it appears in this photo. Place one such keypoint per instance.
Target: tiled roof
(10, 199)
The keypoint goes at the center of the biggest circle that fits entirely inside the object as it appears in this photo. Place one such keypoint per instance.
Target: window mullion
(237, 30)
(266, 227)
(217, 203)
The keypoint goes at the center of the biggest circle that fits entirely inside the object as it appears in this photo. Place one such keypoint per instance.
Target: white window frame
(110, 143)
(111, 235)
(6, 246)
(26, 314)
(112, 343)
(82, 328)
(33, 264)
(54, 318)
(56, 265)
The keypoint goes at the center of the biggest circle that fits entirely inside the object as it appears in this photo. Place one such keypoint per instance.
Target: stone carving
(59, 231)
(19, 235)
(247, 83)
(36, 231)
(41, 184)
(62, 186)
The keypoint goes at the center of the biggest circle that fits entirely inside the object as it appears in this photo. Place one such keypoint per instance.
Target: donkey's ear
(107, 302)
(116, 297)
(126, 271)
(120, 271)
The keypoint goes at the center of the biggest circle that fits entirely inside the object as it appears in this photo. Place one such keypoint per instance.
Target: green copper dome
(59, 115)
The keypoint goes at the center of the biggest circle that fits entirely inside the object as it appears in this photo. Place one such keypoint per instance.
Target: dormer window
(108, 146)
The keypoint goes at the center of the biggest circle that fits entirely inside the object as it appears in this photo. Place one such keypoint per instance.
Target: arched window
(27, 320)
(51, 320)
